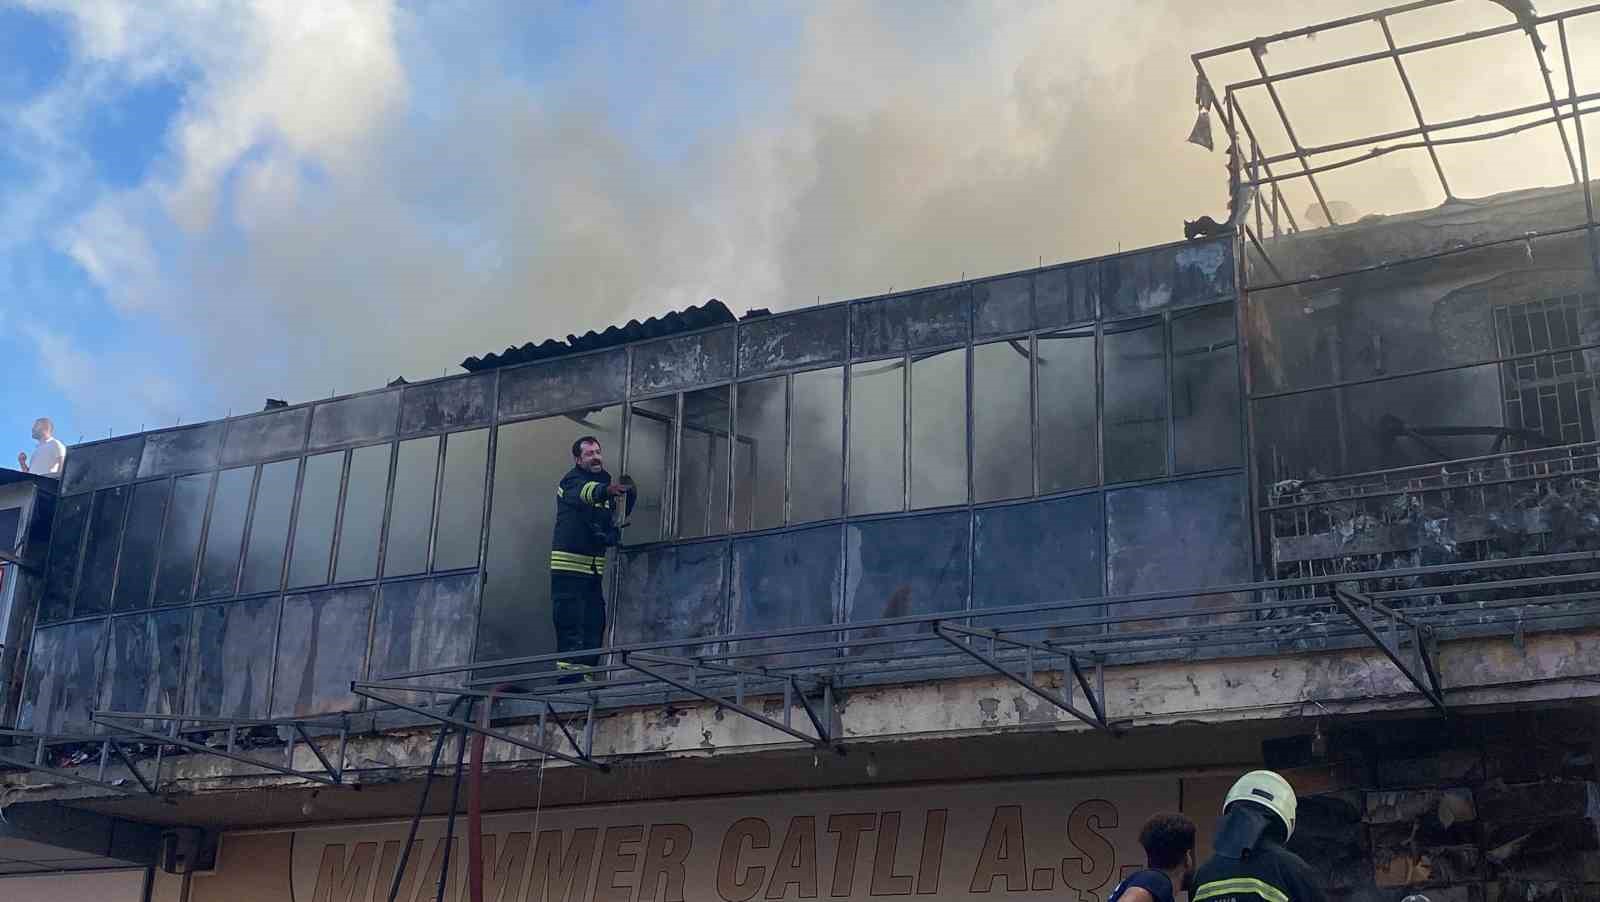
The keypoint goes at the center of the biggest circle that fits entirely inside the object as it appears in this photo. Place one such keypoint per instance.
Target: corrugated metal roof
(711, 313)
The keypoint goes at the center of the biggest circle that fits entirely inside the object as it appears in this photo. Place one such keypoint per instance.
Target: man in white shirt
(48, 456)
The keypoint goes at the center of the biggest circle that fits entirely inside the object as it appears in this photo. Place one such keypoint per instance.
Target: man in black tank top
(1168, 841)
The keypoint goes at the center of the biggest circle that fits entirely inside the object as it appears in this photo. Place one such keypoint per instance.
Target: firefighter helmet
(1270, 791)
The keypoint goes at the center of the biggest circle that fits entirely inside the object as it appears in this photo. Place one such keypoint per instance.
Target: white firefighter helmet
(1270, 791)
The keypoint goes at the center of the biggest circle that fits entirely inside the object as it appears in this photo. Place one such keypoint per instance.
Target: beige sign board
(1045, 839)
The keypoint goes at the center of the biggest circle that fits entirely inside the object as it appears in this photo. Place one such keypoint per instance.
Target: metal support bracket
(582, 753)
(108, 746)
(331, 774)
(793, 692)
(1425, 675)
(957, 634)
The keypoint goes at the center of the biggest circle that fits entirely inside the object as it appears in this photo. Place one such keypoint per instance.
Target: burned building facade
(940, 593)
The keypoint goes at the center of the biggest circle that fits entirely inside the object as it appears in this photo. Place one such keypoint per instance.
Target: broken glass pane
(405, 551)
(786, 580)
(269, 528)
(1205, 390)
(145, 664)
(425, 623)
(362, 525)
(1068, 446)
(1204, 271)
(230, 674)
(1135, 403)
(816, 435)
(466, 454)
(703, 478)
(322, 648)
(219, 564)
(530, 459)
(939, 429)
(1176, 536)
(1002, 425)
(902, 567)
(181, 450)
(445, 404)
(360, 419)
(1037, 553)
(137, 568)
(877, 436)
(180, 546)
(100, 558)
(1139, 282)
(63, 672)
(761, 470)
(683, 362)
(650, 434)
(671, 592)
(801, 338)
(66, 547)
(313, 532)
(264, 436)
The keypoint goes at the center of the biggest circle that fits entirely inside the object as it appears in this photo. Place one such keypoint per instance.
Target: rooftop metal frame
(1250, 166)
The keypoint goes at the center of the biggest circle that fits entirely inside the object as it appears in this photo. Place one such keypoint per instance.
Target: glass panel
(322, 648)
(817, 445)
(926, 319)
(1042, 552)
(904, 566)
(425, 623)
(219, 567)
(671, 592)
(145, 663)
(683, 362)
(649, 462)
(66, 546)
(447, 404)
(62, 672)
(100, 560)
(1205, 391)
(760, 471)
(703, 478)
(1067, 441)
(1135, 404)
(1176, 536)
(181, 544)
(265, 436)
(357, 419)
(180, 450)
(785, 580)
(793, 339)
(530, 459)
(564, 384)
(231, 670)
(313, 532)
(269, 528)
(1205, 271)
(461, 501)
(1065, 295)
(1003, 306)
(877, 437)
(939, 429)
(101, 464)
(360, 530)
(406, 548)
(1002, 428)
(137, 568)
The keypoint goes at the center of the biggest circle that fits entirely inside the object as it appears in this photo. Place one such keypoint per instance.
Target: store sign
(1050, 839)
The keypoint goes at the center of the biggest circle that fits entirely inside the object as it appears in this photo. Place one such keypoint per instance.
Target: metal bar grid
(1373, 144)
(331, 774)
(109, 746)
(1355, 606)
(582, 751)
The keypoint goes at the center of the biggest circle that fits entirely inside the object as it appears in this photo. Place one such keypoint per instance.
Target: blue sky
(204, 203)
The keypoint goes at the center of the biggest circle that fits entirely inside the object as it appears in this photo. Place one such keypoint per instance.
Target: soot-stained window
(359, 530)
(405, 551)
(269, 528)
(219, 565)
(141, 541)
(313, 532)
(703, 477)
(466, 454)
(1135, 387)
(1068, 443)
(877, 436)
(180, 546)
(100, 558)
(1002, 426)
(760, 455)
(939, 429)
(817, 446)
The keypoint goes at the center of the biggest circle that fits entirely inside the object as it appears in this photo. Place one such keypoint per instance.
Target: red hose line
(475, 804)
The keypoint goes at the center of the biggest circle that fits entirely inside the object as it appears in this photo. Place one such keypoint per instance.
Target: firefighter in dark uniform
(1249, 862)
(584, 529)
